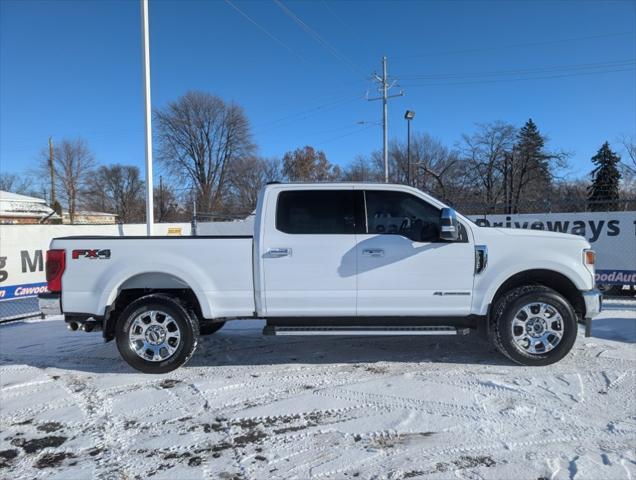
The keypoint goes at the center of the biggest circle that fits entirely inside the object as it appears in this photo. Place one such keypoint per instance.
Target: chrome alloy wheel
(537, 328)
(154, 336)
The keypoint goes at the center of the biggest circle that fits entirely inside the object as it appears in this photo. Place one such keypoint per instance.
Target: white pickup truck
(331, 259)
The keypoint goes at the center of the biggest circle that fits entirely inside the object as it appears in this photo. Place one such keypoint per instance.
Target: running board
(355, 330)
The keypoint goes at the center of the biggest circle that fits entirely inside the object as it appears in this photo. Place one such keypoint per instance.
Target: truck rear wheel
(156, 334)
(534, 325)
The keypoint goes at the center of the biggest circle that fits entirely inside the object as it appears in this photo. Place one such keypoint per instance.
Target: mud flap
(588, 327)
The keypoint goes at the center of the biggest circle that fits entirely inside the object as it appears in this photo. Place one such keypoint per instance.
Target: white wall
(23, 248)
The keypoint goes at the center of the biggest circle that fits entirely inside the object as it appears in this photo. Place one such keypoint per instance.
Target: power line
(553, 68)
(366, 127)
(267, 32)
(505, 80)
(305, 114)
(316, 36)
(516, 45)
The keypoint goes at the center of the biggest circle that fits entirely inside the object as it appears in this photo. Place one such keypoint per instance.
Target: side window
(316, 212)
(402, 214)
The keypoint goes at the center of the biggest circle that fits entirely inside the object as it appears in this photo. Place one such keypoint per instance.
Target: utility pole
(160, 198)
(384, 89)
(52, 172)
(145, 38)
(194, 214)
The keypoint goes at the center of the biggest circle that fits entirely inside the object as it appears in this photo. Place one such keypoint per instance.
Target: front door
(309, 258)
(404, 269)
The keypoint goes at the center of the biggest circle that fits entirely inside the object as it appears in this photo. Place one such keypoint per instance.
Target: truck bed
(97, 267)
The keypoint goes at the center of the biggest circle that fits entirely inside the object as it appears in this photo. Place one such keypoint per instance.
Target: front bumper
(593, 304)
(50, 303)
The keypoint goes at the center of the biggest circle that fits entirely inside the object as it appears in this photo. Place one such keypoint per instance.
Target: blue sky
(74, 69)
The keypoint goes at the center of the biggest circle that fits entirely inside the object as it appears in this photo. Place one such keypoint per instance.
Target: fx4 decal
(93, 254)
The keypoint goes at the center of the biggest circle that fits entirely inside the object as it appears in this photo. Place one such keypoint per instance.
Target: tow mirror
(449, 229)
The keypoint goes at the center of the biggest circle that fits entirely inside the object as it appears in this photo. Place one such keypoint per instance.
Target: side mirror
(449, 229)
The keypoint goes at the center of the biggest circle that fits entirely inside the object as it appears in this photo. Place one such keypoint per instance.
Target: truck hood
(528, 233)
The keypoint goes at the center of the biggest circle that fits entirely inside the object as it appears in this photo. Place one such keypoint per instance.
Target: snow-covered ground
(249, 406)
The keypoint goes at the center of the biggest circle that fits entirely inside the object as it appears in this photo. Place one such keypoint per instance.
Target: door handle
(278, 252)
(373, 252)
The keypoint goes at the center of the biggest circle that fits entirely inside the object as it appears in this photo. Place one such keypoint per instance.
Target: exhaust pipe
(73, 326)
(87, 327)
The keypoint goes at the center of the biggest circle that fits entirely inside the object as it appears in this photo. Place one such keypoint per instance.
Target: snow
(16, 197)
(16, 205)
(249, 406)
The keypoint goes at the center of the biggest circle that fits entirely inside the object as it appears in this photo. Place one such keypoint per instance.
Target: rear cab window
(319, 212)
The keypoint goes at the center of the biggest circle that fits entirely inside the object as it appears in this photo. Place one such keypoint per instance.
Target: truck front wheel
(533, 325)
(156, 334)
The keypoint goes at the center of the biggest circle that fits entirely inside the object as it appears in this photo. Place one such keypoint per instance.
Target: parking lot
(248, 406)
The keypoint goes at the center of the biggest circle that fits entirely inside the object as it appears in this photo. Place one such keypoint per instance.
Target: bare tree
(486, 152)
(432, 167)
(199, 136)
(117, 189)
(309, 165)
(246, 177)
(571, 196)
(10, 182)
(629, 144)
(363, 169)
(167, 205)
(72, 163)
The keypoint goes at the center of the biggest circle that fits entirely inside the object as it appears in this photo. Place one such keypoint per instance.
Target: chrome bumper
(593, 305)
(50, 303)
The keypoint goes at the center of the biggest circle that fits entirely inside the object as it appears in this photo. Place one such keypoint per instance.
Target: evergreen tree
(603, 193)
(530, 175)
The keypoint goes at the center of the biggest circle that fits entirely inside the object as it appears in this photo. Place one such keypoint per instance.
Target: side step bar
(354, 330)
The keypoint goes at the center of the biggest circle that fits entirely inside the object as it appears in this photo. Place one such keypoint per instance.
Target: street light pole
(409, 115)
(146, 59)
(385, 120)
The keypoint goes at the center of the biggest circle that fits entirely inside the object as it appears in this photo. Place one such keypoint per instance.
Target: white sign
(23, 247)
(23, 251)
(611, 234)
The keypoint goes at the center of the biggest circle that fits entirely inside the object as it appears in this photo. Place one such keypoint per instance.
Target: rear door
(309, 253)
(403, 266)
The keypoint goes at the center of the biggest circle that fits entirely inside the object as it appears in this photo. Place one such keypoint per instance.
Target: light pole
(409, 115)
(148, 111)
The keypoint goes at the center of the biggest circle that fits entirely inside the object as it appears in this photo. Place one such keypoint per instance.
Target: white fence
(23, 251)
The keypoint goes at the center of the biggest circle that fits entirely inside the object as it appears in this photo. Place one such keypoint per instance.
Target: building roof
(90, 213)
(16, 197)
(22, 206)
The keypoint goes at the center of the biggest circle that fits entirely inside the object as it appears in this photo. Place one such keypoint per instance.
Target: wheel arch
(549, 278)
(141, 284)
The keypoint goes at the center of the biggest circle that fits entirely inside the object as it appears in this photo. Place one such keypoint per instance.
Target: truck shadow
(49, 345)
(246, 350)
(615, 328)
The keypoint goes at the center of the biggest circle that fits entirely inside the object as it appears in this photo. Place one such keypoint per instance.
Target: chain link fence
(552, 209)
(19, 308)
(472, 206)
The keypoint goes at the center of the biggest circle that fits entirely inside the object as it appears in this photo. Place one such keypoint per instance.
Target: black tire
(507, 307)
(208, 327)
(187, 324)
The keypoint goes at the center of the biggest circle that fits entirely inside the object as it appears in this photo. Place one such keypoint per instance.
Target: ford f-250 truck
(331, 259)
